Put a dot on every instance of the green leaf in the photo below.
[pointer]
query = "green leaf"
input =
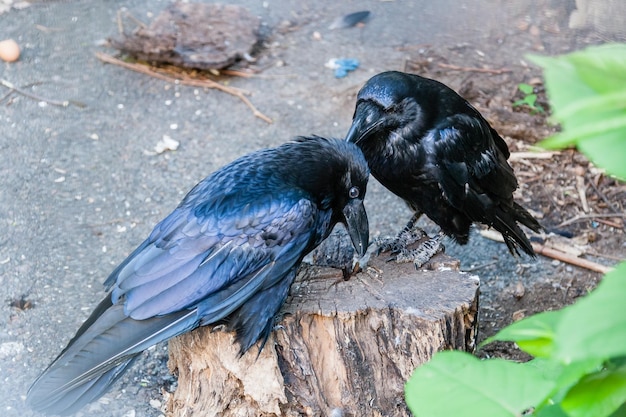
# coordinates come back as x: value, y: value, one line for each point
x: 563, y: 86
x: 587, y: 91
x: 597, y: 395
x: 534, y: 334
x: 553, y: 410
x: 608, y: 150
x: 564, y: 376
x: 620, y: 412
x: 595, y: 327
x: 458, y: 384
x: 591, y: 132
x: 601, y: 67
x: 525, y: 88
x: 612, y: 102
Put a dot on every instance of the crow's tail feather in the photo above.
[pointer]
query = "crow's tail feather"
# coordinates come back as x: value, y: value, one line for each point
x: 514, y: 237
x: 103, y: 348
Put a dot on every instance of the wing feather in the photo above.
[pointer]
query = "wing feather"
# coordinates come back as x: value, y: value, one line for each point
x: 180, y: 265
x: 471, y: 166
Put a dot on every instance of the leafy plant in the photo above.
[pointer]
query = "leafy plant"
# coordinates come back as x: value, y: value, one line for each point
x: 579, y: 365
x: 587, y: 92
x: 529, y: 99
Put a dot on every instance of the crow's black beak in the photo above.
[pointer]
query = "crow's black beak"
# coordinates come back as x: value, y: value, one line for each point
x: 357, y: 225
x: 368, y: 117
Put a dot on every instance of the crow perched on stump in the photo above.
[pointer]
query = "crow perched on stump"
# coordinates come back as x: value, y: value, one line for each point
x: 429, y: 146
x: 227, y: 254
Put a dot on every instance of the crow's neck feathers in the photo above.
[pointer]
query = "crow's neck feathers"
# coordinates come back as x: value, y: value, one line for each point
x: 303, y: 168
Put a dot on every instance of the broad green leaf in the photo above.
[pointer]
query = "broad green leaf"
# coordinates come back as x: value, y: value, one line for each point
x: 611, y: 102
x: 595, y: 327
x: 563, y: 85
x: 564, y: 376
x: 620, y: 412
x: 601, y: 67
x: 534, y: 334
x: 552, y: 410
x: 458, y: 384
x: 587, y: 91
x: 608, y: 150
x: 525, y: 88
x: 597, y: 395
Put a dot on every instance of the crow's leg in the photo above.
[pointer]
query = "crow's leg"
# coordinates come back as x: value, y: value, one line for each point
x: 407, y: 236
x: 423, y: 253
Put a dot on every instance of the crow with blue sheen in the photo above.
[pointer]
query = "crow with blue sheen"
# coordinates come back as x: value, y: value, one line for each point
x: 227, y: 254
x: 432, y: 148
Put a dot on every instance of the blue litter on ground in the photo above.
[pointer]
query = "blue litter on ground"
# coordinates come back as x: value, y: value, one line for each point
x: 343, y: 65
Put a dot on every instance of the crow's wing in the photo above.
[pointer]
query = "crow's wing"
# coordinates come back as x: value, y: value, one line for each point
x: 197, y: 266
x: 224, y: 254
x: 469, y: 165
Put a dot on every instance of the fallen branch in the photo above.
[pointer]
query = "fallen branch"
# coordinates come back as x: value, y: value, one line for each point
x: 474, y: 69
x: 185, y: 80
x: 581, y: 217
x: 562, y: 256
x: 517, y: 156
x: 582, y: 192
x: 610, y: 223
x: 602, y: 196
x: 552, y: 253
x: 25, y: 93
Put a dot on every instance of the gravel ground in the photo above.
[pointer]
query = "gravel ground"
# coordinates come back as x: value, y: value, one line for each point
x: 81, y: 185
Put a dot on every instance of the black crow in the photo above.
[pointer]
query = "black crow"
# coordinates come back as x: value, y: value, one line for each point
x: 227, y: 254
x: 429, y: 146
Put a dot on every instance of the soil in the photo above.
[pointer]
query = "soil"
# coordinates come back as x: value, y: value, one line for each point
x: 84, y: 185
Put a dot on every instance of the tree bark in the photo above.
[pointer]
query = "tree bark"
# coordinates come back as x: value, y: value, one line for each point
x: 342, y: 348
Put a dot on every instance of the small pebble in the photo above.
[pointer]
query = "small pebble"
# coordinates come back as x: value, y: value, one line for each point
x: 519, y: 290
x: 9, y: 50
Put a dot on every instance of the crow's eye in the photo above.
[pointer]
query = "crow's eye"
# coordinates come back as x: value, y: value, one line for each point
x: 354, y: 192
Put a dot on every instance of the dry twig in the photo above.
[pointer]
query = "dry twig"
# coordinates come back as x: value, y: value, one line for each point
x: 185, y: 80
x: 602, y: 196
x: 582, y: 193
x: 567, y: 258
x: 474, y: 69
x: 552, y: 253
x: 518, y: 156
x: 582, y: 217
x: 34, y: 96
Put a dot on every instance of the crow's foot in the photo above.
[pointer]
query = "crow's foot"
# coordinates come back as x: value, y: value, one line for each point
x: 422, y: 254
x: 407, y: 236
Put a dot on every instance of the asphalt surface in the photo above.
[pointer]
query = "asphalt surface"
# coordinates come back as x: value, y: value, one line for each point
x: 81, y: 185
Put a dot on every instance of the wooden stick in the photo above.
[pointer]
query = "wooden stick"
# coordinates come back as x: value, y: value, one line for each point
x: 590, y: 216
x: 205, y: 83
x: 573, y: 260
x: 474, y: 69
x: 552, y: 253
x: 64, y: 103
x: 602, y: 196
x: 582, y: 192
x: 610, y: 223
x: 516, y: 156
x: 600, y: 255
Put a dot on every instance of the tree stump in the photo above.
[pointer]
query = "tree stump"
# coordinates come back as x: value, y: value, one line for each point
x: 342, y: 348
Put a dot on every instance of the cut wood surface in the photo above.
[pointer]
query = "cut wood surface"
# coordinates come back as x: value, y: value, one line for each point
x: 342, y: 348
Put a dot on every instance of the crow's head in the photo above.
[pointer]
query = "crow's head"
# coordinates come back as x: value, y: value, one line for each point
x: 334, y: 173
x: 386, y: 104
